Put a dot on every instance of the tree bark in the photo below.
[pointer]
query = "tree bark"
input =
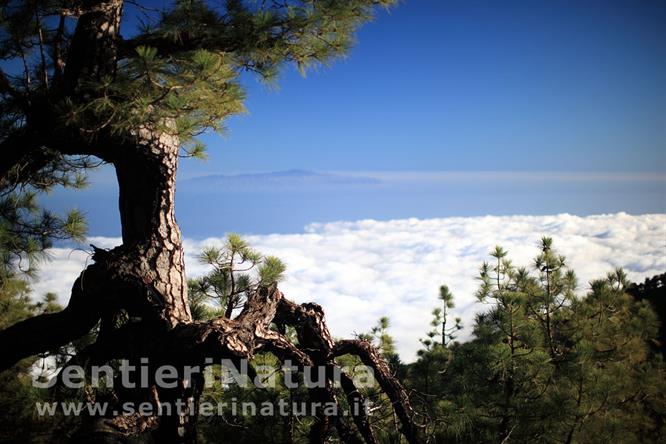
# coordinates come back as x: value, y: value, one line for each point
x: 146, y: 175
x: 93, y: 50
x: 145, y: 276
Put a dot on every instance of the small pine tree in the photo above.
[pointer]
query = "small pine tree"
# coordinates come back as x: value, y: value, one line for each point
x: 237, y: 271
x: 440, y: 315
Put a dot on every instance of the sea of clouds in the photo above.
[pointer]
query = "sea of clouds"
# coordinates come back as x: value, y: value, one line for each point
x: 360, y: 271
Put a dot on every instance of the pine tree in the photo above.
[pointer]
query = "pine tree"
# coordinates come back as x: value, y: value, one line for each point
x: 231, y: 283
x: 616, y: 384
x: 547, y: 365
x: 75, y: 92
x: 440, y: 315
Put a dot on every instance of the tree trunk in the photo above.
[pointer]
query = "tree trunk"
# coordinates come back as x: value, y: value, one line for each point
x: 153, y: 255
x: 147, y: 273
x: 145, y: 278
x: 147, y: 184
x: 93, y: 49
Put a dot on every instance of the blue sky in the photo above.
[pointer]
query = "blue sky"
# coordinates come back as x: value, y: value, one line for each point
x: 570, y: 87
x: 443, y: 109
x: 470, y: 85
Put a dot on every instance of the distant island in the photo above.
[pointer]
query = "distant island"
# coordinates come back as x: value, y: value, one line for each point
x: 287, y: 178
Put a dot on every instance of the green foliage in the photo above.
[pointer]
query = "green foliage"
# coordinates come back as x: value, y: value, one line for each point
x: 382, y: 419
x: 18, y: 422
x: 653, y: 290
x: 177, y: 75
x: 237, y: 424
x: 380, y: 336
x: 26, y: 231
x: 271, y: 270
x: 237, y: 271
x: 439, y: 319
x: 15, y: 303
x: 182, y: 95
x: 265, y: 35
x: 446, y: 296
x: 182, y: 78
x: 546, y: 365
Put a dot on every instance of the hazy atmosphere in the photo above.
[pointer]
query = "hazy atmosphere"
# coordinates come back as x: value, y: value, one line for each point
x: 465, y: 197
x: 360, y: 271
x: 442, y: 109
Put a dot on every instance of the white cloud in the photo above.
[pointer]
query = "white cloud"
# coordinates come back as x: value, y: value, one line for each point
x: 359, y: 271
